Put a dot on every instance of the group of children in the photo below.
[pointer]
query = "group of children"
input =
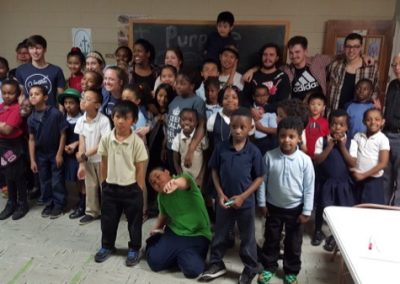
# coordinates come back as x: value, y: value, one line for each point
x: 106, y: 133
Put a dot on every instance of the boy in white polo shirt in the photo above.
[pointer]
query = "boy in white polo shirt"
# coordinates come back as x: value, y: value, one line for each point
x: 91, y: 127
x: 123, y: 170
x: 371, y: 153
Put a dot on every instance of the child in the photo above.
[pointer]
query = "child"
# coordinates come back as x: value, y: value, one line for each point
x: 70, y: 100
x: 136, y: 94
x: 210, y: 68
x: 333, y: 176
x: 189, y: 123
x: 218, y: 123
x: 4, y: 68
x: 13, y: 152
x: 229, y: 58
x: 168, y: 75
x: 185, y: 99
x: 371, y: 151
x: 75, y: 63
x: 22, y: 56
x: 91, y: 127
x: 90, y: 80
x: 123, y: 56
x: 317, y: 125
x: 290, y: 193
x: 123, y: 163
x: 294, y: 107
x: 237, y: 172
x: 173, y: 56
x: 47, y: 128
x: 266, y: 126
x: 185, y: 224
x: 211, y: 87
x: 39, y: 71
x: 363, y: 101
x: 217, y: 40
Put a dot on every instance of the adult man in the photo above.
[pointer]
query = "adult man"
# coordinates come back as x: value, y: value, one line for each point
x: 306, y: 74
x: 344, y: 73
x: 270, y: 76
x: 40, y: 72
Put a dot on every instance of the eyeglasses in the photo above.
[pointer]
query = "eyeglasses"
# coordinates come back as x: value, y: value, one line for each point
x: 352, y: 46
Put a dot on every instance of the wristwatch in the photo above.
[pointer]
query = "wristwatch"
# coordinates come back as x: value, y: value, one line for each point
x: 84, y: 157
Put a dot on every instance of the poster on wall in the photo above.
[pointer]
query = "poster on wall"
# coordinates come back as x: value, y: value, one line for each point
x: 82, y: 38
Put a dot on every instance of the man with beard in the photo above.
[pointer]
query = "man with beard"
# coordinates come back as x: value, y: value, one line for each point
x: 270, y: 76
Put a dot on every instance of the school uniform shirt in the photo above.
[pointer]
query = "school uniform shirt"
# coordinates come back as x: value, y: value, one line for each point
x: 356, y: 111
x: 237, y: 169
x: 268, y: 119
x: 366, y: 150
x: 93, y: 131
x: 227, y: 119
x: 181, y: 145
x: 211, y: 109
x: 51, y: 77
x: 46, y: 126
x: 289, y: 180
x: 122, y: 157
x: 12, y: 117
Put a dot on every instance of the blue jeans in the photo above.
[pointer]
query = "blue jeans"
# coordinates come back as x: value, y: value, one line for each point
x: 52, y: 183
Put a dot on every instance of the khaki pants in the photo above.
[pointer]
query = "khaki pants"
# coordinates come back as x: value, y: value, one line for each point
x: 93, y: 188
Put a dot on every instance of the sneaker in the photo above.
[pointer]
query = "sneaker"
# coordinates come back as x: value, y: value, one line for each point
x: 20, y: 212
x: 103, y: 254
x: 318, y: 237
x: 87, y: 219
x: 47, y: 211
x: 265, y: 277
x: 214, y: 271
x: 77, y: 213
x: 330, y: 244
x: 246, y: 278
x: 290, y: 279
x: 133, y: 258
x: 56, y: 212
x: 7, y: 211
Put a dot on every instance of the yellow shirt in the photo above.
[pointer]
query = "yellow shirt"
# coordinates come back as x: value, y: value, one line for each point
x: 121, y: 157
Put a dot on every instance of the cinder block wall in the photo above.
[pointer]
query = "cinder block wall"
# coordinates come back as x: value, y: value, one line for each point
x: 54, y: 19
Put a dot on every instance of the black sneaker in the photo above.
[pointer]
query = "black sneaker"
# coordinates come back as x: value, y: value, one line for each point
x: 330, y: 244
x: 7, y: 211
x: 77, y: 213
x: 20, y: 212
x: 212, y: 272
x: 246, y: 278
x: 56, y: 212
x: 317, y: 238
x: 47, y: 211
x: 103, y: 254
x: 87, y: 219
x: 132, y: 258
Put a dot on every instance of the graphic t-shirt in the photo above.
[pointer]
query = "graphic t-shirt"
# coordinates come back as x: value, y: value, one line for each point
x: 51, y: 77
x: 303, y: 83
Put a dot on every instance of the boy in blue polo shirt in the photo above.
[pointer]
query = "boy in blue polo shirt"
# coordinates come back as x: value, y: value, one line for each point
x: 289, y: 198
x: 237, y: 172
x: 47, y: 127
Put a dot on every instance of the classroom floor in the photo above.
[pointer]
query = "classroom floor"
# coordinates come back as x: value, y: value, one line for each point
x: 41, y: 250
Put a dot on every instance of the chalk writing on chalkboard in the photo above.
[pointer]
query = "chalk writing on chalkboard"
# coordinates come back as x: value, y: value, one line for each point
x: 191, y: 36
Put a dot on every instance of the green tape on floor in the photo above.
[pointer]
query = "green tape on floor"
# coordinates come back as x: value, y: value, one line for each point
x: 78, y: 275
x: 21, y: 271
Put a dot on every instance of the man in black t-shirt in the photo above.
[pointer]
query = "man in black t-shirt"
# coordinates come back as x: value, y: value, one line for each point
x: 270, y: 76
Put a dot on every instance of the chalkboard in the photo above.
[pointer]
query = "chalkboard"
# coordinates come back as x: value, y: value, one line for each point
x: 191, y: 36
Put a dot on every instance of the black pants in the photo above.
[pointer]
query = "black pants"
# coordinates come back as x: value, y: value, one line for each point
x: 276, y: 220
x: 16, y: 183
x: 115, y: 200
x: 225, y: 220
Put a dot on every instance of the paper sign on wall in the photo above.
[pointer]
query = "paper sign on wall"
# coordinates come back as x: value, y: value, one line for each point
x: 82, y: 38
